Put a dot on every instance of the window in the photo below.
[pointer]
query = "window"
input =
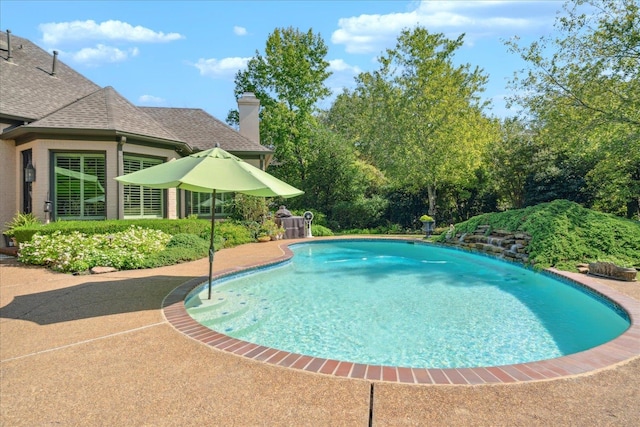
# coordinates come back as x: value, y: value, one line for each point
x: 142, y: 202
x: 200, y: 203
x: 79, y: 186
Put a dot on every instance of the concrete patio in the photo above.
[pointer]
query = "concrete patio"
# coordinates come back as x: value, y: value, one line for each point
x: 96, y: 350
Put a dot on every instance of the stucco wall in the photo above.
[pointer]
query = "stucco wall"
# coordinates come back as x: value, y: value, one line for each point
x: 11, y: 185
x: 9, y: 168
x: 42, y: 151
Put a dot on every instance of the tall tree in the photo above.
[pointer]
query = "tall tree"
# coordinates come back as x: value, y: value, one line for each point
x: 511, y: 161
x: 585, y: 96
x: 419, y: 116
x: 289, y: 79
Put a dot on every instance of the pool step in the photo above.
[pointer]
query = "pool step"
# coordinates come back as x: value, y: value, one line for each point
x: 228, y: 312
x: 220, y: 317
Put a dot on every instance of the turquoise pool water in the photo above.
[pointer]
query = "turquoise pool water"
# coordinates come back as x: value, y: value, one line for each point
x: 410, y: 305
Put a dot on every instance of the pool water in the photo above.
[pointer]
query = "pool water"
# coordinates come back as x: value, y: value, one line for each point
x: 409, y: 305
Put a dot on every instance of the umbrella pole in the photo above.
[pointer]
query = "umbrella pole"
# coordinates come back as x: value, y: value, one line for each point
x: 213, y: 227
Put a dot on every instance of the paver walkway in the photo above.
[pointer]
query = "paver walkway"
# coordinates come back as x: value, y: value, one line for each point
x: 96, y: 351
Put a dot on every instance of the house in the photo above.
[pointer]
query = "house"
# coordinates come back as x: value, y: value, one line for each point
x: 63, y: 139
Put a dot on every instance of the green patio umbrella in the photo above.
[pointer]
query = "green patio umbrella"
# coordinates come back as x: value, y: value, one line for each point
x: 213, y: 170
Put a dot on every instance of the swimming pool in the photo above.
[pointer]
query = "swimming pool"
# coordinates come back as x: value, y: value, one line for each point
x: 399, y: 299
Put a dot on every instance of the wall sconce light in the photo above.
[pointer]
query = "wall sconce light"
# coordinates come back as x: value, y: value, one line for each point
x: 29, y: 173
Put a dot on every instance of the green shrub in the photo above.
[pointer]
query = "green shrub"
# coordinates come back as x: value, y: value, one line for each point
x: 20, y: 222
x: 175, y: 255
x: 169, y: 226
x: 360, y: 212
x: 184, y: 240
x: 233, y: 234
x: 76, y: 252
x: 320, y: 231
x: 564, y: 234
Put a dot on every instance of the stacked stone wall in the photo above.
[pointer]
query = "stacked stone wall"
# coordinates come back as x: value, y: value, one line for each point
x: 509, y: 245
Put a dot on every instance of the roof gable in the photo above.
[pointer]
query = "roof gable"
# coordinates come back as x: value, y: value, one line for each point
x: 105, y: 109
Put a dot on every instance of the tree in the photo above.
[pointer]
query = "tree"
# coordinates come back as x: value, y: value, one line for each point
x: 510, y: 160
x: 289, y: 80
x: 419, y: 117
x: 585, y: 96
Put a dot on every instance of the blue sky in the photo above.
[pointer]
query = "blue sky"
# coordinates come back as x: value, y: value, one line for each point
x: 186, y: 53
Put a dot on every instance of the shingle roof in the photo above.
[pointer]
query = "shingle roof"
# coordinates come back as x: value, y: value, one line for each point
x: 202, y: 130
x: 69, y: 101
x: 105, y: 109
x: 27, y: 88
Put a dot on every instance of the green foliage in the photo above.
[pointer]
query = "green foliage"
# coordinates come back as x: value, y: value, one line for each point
x: 426, y: 218
x: 320, y: 231
x: 334, y: 172
x: 319, y: 218
x: 582, y: 90
x: 381, y: 229
x: 21, y: 221
x: 419, y: 117
x: 189, y: 241
x: 270, y: 228
x: 359, y: 212
x: 199, y: 227
x: 76, y: 252
x: 510, y: 159
x: 249, y: 208
x: 288, y: 79
x: 565, y: 234
x: 232, y: 233
x: 181, y: 248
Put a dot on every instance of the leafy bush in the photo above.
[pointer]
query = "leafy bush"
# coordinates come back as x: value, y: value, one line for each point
x: 248, y: 208
x: 270, y: 228
x: 184, y: 240
x: 76, y: 252
x: 232, y: 233
x: 181, y: 248
x: 565, y: 234
x: 169, y: 226
x: 359, y: 213
x: 320, y: 231
x: 21, y: 221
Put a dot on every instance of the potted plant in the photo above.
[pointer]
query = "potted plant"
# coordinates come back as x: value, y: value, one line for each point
x: 19, y: 220
x: 269, y: 230
x: 427, y: 224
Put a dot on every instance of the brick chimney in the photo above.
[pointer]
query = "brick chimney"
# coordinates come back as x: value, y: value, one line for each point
x: 248, y: 109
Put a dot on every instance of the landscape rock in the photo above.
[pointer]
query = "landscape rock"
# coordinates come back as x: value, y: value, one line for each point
x: 102, y: 270
x: 612, y: 271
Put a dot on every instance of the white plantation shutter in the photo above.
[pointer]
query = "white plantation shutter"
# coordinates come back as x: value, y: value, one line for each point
x: 79, y: 186
x: 141, y: 202
x: 200, y: 203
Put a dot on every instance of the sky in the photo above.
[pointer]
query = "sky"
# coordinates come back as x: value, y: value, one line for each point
x: 167, y: 53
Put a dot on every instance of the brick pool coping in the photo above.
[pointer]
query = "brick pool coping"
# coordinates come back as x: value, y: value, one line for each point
x: 621, y: 349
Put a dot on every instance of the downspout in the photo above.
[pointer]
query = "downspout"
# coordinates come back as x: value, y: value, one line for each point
x: 120, y: 171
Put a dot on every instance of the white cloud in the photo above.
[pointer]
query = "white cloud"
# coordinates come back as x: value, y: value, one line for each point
x: 338, y: 65
x: 150, y: 100
x: 239, y: 31
x: 54, y: 33
x: 220, y: 68
x: 93, y: 56
x: 372, y: 33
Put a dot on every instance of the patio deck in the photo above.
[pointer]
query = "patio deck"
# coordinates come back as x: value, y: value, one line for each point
x: 97, y: 350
